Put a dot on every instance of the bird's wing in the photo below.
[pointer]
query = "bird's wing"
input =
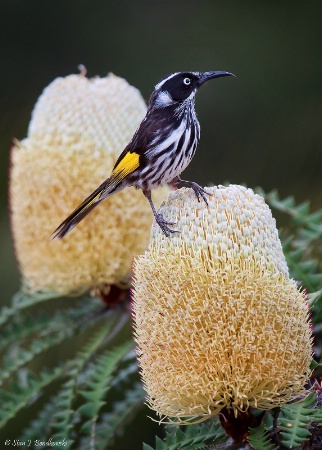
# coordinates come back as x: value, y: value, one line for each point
x: 142, y: 142
x: 127, y: 163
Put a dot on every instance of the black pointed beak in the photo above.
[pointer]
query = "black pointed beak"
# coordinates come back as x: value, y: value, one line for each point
x: 205, y: 76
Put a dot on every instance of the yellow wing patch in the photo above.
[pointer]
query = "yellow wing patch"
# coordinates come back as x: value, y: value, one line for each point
x: 127, y: 165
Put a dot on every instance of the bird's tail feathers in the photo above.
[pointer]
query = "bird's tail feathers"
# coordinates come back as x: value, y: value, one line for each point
x: 107, y: 188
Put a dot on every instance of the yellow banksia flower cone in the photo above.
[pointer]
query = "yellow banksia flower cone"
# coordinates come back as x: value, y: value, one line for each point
x: 78, y: 129
x: 218, y: 322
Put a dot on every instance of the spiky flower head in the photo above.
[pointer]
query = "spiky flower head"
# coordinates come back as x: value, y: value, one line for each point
x: 79, y: 127
x: 218, y: 321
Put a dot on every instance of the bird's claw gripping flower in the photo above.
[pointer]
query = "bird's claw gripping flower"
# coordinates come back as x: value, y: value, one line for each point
x: 160, y: 149
x: 218, y: 322
x: 79, y: 127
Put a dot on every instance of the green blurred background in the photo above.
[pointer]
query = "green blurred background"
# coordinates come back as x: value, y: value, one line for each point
x: 262, y: 128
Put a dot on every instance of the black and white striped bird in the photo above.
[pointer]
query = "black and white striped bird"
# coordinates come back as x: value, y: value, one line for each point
x: 161, y: 148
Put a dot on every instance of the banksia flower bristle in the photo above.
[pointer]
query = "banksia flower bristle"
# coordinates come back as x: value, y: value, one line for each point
x: 78, y: 129
x: 218, y: 322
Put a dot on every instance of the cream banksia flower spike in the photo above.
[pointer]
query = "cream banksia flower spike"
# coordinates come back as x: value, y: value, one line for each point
x: 78, y: 129
x: 218, y: 322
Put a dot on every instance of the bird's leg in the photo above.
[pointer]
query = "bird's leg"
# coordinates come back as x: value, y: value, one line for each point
x: 159, y: 218
x: 198, y: 190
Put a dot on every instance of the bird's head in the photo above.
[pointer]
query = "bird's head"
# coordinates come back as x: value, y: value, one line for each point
x: 181, y: 86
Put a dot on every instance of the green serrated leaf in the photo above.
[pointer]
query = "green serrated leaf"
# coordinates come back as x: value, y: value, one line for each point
x: 88, y: 427
x: 64, y: 411
x: 315, y: 365
x: 96, y: 383
x: 39, y: 426
x: 295, y: 256
x: 308, y: 265
x: 160, y: 445
x: 259, y: 438
x: 22, y: 396
x: 91, y: 395
x: 22, y: 300
x: 191, y: 437
x: 303, y: 208
x: 315, y: 297
x: 89, y: 409
x: 25, y: 356
x: 315, y: 279
x: 110, y: 424
x: 295, y: 419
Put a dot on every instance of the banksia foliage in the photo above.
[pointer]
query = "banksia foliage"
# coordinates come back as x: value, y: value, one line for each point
x: 218, y: 321
x: 79, y: 127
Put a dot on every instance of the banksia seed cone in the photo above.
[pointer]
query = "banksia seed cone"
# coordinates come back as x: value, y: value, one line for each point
x: 78, y: 128
x: 218, y: 321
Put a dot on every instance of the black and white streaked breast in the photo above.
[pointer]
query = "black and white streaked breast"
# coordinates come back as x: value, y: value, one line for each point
x: 172, y: 147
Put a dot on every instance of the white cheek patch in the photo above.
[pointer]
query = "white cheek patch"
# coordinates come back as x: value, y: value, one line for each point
x: 164, y: 99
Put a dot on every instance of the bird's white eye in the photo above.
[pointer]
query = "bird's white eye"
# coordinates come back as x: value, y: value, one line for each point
x: 187, y: 81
